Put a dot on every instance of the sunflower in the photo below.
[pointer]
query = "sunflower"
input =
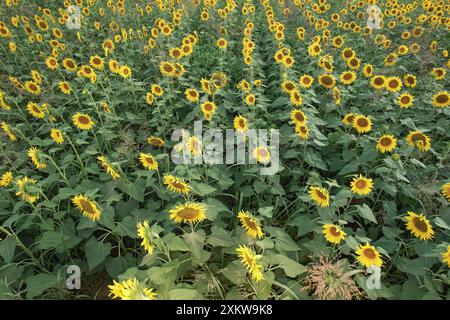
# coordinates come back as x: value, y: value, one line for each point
x: 288, y: 61
x: 306, y: 81
x: 51, y: 63
x: 320, y: 196
x: 327, y: 81
x: 97, y: 62
x: 446, y: 256
x: 361, y: 185
x: 302, y: 131
x: 348, y: 118
x: 114, y: 66
x: 208, y: 107
x: 393, y: 84
x: 419, y: 140
x: 176, y: 53
x: 288, y: 86
x: 25, y: 184
x: 108, y: 167
x: 295, y: 98
x: 64, y: 87
x: 82, y: 121
x: 32, y: 87
x: 6, y: 179
x: 35, y: 156
x: 250, y: 260
x: 298, y: 117
x: 35, y: 110
x: 368, y: 70
x: 386, y: 143
x: 147, y: 236
x: 148, y: 161
x: 188, y: 212
x: 155, y: 141
x: 191, y: 94
x: 5, y: 127
x: 261, y: 154
x: 87, y: 207
x: 240, y: 123
x: 149, y: 98
x: 176, y: 184
x: 348, y: 53
x: 251, y: 225
x: 378, y: 82
x: 438, y: 73
x: 131, y: 289
x: 167, y: 69
x: 354, y: 63
x: 405, y: 100
x: 446, y: 191
x: 333, y: 233
x: 347, y: 77
x: 314, y: 50
x: 125, y: 72
x: 419, y: 226
x: 157, y: 90
x: 222, y: 43
x: 368, y: 256
x: 410, y: 80
x: 57, y: 135
x: 441, y: 99
x: 250, y: 99
x: 362, y: 124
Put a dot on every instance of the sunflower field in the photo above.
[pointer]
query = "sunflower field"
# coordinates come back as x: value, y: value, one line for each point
x: 93, y: 206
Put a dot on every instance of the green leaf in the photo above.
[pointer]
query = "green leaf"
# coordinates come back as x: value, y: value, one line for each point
x: 195, y: 241
x: 136, y: 190
x: 38, y: 283
x: 202, y: 188
x: 291, y: 267
x: 7, y: 248
x: 96, y: 252
x: 185, y: 294
x: 266, y: 211
x: 366, y: 213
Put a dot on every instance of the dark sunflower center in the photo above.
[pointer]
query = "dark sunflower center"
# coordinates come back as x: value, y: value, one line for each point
x: 405, y: 99
x: 321, y: 195
x: 188, y: 213
x: 335, y: 232
x: 442, y: 98
x: 249, y: 222
x: 386, y: 142
x: 327, y: 80
x: 299, y: 116
x: 369, y: 253
x: 87, y: 206
x: 420, y: 224
x: 362, y: 122
x: 361, y: 184
x: 83, y: 119
x: 347, y: 76
x: 418, y: 137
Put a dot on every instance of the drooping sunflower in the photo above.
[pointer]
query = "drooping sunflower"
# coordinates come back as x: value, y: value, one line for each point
x: 306, y: 81
x: 240, y: 124
x: 347, y: 77
x: 35, y: 156
x: 147, y: 236
x: 361, y: 185
x: 302, y: 131
x: 333, y: 233
x: 296, y: 98
x: 6, y: 179
x: 368, y: 256
x: 188, y: 212
x: 106, y: 165
x: 87, y: 207
x: 419, y: 140
x: 362, y: 124
x: 320, y: 196
x: 393, y: 84
x: 251, y: 262
x: 441, y: 99
x: 131, y: 289
x: 386, y: 143
x: 446, y: 191
x: 298, y: 117
x: 251, y: 225
x: 405, y: 100
x: 114, y: 66
x: 446, y: 256
x: 24, y: 184
x: 261, y: 154
x: 148, y: 161
x: 176, y: 184
x: 191, y: 94
x: 327, y: 81
x: 35, y: 110
x: 7, y: 130
x: 348, y: 118
x: 82, y: 121
x: 419, y: 226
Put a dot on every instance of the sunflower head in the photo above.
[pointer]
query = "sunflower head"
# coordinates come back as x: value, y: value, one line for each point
x: 333, y: 233
x: 320, y: 196
x: 361, y: 185
x: 251, y: 225
x: 419, y: 226
x: 188, y: 212
x: 368, y: 256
